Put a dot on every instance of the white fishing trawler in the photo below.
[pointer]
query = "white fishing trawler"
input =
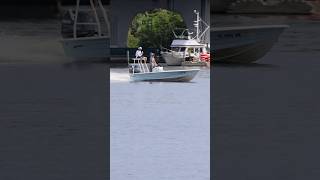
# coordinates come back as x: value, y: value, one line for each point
x: 86, y: 32
x: 187, y: 49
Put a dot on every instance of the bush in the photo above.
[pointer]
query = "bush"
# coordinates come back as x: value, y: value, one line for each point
x: 153, y: 29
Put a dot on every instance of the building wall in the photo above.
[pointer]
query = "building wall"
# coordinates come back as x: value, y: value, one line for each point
x: 123, y: 11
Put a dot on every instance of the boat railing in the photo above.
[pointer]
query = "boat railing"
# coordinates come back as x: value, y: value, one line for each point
x: 182, y: 33
x: 99, y: 14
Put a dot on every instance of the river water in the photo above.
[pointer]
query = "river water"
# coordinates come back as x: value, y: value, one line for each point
x: 266, y: 115
x: 159, y: 130
x: 56, y: 112
x: 53, y: 113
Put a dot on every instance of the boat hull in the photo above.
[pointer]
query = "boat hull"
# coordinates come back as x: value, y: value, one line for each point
x: 196, y: 63
x: 166, y: 76
x: 87, y: 47
x: 245, y: 53
x: 171, y: 59
x: 243, y: 44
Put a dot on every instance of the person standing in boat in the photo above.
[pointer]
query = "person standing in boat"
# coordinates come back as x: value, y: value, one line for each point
x: 139, y: 54
x: 153, y: 61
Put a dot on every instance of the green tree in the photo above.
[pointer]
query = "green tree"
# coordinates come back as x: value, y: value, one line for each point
x: 132, y: 40
x: 153, y: 29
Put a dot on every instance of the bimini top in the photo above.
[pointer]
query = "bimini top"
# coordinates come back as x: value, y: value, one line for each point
x: 186, y: 43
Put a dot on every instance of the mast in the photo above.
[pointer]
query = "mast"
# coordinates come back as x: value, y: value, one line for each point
x: 196, y: 25
x: 200, y: 33
x: 99, y: 15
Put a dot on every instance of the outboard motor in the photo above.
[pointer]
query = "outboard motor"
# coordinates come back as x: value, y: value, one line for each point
x: 134, y: 68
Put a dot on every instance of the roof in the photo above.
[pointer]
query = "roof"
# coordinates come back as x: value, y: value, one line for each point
x: 185, y: 43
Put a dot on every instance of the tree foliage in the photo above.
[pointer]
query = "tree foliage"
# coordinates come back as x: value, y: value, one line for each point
x: 153, y: 29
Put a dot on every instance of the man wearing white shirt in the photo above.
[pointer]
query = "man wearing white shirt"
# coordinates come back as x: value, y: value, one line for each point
x: 139, y: 52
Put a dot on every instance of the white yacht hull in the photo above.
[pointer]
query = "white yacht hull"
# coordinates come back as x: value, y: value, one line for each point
x: 166, y: 76
x: 87, y: 47
x: 243, y: 44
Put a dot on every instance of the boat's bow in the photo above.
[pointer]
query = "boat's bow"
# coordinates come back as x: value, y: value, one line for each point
x: 244, y: 44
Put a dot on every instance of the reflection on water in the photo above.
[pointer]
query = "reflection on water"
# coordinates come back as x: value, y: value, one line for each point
x: 159, y: 130
x: 266, y: 118
x: 52, y: 118
x: 31, y: 40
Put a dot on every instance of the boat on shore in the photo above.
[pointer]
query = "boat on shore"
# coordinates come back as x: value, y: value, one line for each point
x: 186, y: 49
x: 139, y: 70
x: 85, y: 32
x: 243, y: 44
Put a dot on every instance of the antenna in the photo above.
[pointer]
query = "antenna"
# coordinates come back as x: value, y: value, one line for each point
x: 196, y: 24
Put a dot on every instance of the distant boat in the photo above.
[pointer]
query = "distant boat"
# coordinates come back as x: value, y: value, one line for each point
x: 243, y: 44
x: 85, y: 32
x: 186, y: 49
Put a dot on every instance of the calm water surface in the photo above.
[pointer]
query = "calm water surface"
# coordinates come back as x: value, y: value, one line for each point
x: 53, y: 121
x: 159, y: 130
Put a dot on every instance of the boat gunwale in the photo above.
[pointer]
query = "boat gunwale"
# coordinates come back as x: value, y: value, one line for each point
x: 189, y: 46
x: 166, y: 71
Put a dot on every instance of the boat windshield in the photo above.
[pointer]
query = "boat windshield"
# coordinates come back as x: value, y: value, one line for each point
x: 175, y: 49
x: 178, y: 49
x: 190, y: 50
